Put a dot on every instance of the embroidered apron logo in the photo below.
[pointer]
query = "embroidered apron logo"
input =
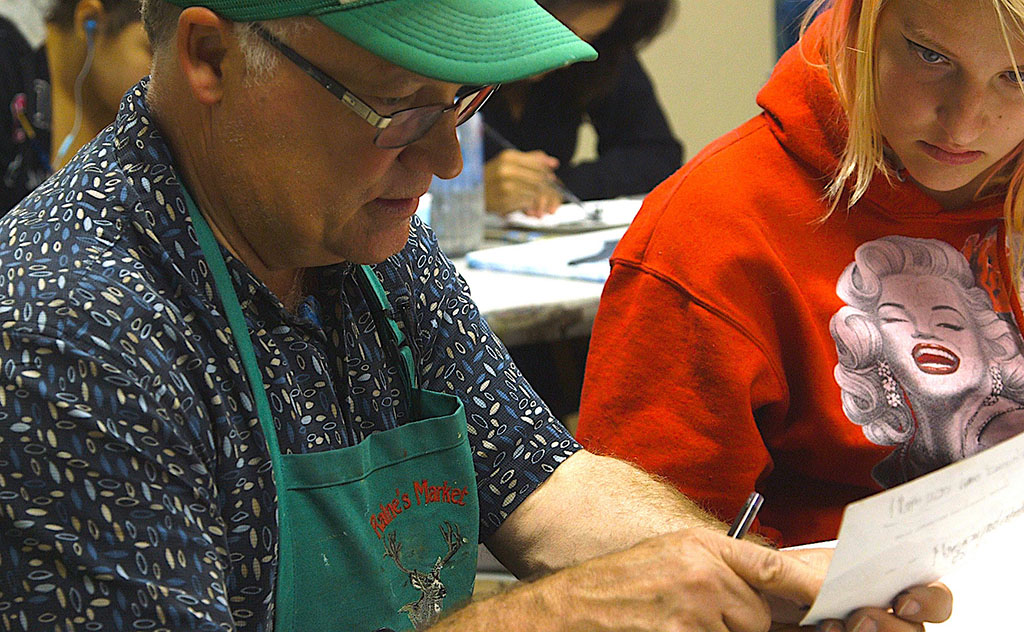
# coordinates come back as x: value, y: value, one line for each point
x: 425, y: 493
x: 425, y: 611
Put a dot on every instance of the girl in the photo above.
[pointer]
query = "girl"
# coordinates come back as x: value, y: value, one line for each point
x: 714, y: 358
x: 54, y: 98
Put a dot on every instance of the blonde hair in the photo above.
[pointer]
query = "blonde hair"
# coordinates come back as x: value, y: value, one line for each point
x: 848, y: 52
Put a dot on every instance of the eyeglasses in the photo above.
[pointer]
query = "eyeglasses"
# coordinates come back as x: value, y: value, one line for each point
x: 397, y: 129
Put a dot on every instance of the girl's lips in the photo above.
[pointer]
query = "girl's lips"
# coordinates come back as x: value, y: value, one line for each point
x: 948, y: 157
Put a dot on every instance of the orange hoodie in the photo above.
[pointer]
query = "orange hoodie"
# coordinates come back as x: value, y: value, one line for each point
x: 741, y: 345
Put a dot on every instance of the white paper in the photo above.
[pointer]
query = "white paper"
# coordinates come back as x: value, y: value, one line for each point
x: 924, y: 530
x: 986, y: 588
x: 583, y: 256
x: 586, y: 215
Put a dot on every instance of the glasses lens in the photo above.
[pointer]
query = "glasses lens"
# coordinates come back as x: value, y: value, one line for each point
x: 468, y: 104
x: 408, y: 126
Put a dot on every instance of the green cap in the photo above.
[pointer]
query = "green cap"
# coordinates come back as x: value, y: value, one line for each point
x: 461, y: 41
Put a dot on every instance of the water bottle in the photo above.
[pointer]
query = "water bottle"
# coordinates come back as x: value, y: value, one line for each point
x: 456, y: 207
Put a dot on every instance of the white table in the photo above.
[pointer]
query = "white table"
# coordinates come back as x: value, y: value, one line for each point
x: 525, y: 308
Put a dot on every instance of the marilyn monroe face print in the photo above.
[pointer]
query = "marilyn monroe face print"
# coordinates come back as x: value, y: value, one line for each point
x: 925, y: 363
x: 929, y: 338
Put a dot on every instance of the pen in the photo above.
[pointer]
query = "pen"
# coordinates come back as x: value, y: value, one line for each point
x: 746, y: 516
x: 520, y: 236
x: 505, y: 143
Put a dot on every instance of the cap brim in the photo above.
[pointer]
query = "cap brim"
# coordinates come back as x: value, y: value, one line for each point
x: 461, y: 41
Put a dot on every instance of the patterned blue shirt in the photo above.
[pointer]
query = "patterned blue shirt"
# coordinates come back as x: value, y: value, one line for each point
x: 136, y: 489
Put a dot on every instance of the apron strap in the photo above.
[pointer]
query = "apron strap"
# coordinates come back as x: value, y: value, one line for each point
x: 387, y: 325
x: 367, y: 279
x: 239, y: 330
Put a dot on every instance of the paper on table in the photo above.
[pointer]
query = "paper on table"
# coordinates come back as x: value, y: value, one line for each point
x: 922, y: 530
x: 584, y: 256
x: 590, y: 215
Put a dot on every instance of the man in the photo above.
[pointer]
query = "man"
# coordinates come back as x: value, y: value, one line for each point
x: 61, y: 85
x: 215, y: 241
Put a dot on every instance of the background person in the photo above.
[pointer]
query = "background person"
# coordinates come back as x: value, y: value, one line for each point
x: 245, y: 389
x: 788, y: 18
x: 97, y: 48
x: 712, y: 344
x: 541, y: 116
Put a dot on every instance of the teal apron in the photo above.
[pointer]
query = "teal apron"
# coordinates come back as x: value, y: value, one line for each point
x: 382, y: 534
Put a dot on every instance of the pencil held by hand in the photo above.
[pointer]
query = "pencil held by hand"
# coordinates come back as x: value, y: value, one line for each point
x: 517, y: 180
x: 522, y: 181
x: 745, y: 518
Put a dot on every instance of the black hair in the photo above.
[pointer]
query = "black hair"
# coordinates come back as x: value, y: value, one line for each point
x: 636, y: 25
x: 120, y: 14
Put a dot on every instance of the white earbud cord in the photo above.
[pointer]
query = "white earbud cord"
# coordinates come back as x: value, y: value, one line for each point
x: 77, y: 126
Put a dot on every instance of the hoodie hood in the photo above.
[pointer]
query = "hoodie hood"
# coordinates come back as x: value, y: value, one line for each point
x: 802, y: 106
x: 803, y: 112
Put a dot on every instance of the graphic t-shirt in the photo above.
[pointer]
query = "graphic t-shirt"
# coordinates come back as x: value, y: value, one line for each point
x: 927, y: 362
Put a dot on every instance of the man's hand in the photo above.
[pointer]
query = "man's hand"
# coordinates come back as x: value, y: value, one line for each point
x: 689, y: 580
x: 521, y: 181
x: 617, y: 550
x: 694, y: 580
x: 914, y: 606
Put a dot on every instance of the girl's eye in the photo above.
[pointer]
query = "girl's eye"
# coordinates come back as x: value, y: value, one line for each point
x: 1011, y: 76
x: 926, y: 54
x: 892, y: 319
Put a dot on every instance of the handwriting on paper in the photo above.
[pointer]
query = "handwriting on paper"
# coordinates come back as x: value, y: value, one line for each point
x: 922, y: 530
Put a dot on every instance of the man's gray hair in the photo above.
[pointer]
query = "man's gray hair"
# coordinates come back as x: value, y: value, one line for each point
x: 160, y: 19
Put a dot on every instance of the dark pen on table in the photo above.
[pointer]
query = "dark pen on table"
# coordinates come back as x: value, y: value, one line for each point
x: 505, y: 143
x: 746, y: 516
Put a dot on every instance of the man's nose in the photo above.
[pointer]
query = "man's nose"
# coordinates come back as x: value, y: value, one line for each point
x: 438, y: 151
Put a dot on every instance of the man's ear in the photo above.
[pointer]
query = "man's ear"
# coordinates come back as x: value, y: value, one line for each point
x: 202, y: 41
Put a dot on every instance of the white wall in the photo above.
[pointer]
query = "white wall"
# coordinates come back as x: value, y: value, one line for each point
x: 708, y: 65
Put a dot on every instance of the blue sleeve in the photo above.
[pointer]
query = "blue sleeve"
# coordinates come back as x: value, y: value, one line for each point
x: 516, y: 441
x: 110, y: 516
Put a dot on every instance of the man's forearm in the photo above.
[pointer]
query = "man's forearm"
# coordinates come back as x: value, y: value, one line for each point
x: 590, y: 506
x: 683, y: 581
x: 639, y: 556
